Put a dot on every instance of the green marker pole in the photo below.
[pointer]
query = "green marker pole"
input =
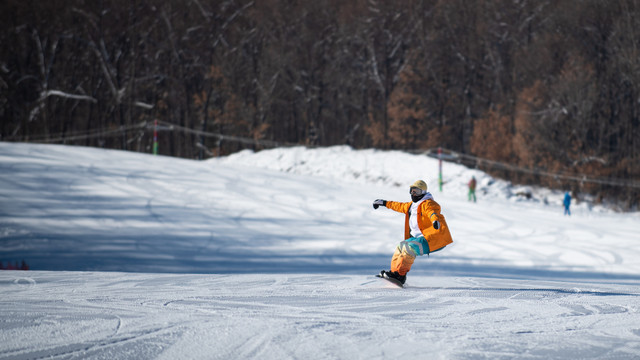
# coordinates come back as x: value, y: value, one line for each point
x: 440, y: 168
x: 155, y: 137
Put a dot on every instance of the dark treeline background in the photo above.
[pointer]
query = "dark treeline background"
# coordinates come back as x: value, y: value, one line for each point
x: 541, y: 85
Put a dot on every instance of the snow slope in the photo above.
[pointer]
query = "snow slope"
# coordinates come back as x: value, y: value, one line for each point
x: 270, y: 255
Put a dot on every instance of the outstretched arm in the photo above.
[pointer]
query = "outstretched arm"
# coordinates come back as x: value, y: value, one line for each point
x: 401, y: 207
x: 393, y: 205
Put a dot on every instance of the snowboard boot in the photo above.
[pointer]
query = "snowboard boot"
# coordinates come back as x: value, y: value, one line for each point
x: 395, y: 275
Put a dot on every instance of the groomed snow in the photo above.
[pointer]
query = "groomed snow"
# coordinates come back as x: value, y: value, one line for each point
x: 271, y: 255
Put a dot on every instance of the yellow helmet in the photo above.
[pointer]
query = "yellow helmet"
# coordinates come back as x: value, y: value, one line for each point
x: 420, y: 184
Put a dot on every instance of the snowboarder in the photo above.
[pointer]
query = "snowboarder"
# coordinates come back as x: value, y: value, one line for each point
x: 472, y: 188
x: 425, y: 229
x: 567, y: 203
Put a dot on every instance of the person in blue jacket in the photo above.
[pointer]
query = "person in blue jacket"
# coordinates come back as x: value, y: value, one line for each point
x: 567, y: 203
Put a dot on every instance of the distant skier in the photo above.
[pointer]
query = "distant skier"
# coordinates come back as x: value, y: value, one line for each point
x: 472, y: 188
x: 567, y: 203
x: 425, y: 229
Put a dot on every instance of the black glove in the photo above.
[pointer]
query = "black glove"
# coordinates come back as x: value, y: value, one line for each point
x: 379, y: 202
x: 436, y: 224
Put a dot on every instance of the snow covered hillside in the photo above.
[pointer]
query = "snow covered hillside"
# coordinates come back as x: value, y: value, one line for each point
x: 270, y: 255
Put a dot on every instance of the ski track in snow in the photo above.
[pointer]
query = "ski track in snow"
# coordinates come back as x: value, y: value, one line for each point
x: 146, y: 257
x: 94, y: 315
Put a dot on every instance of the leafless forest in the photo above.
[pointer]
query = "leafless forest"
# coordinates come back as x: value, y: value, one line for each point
x: 541, y: 92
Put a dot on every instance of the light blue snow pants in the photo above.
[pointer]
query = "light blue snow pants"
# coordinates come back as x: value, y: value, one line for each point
x: 416, y: 246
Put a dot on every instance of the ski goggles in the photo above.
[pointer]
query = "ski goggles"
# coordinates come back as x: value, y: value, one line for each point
x: 416, y: 191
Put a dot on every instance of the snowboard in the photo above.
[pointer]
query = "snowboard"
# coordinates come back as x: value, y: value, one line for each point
x: 391, y: 280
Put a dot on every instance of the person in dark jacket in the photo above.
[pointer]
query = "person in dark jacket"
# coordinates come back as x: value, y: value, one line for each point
x: 472, y: 188
x: 567, y: 203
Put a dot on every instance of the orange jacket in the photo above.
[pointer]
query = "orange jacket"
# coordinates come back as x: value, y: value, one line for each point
x: 428, y: 212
